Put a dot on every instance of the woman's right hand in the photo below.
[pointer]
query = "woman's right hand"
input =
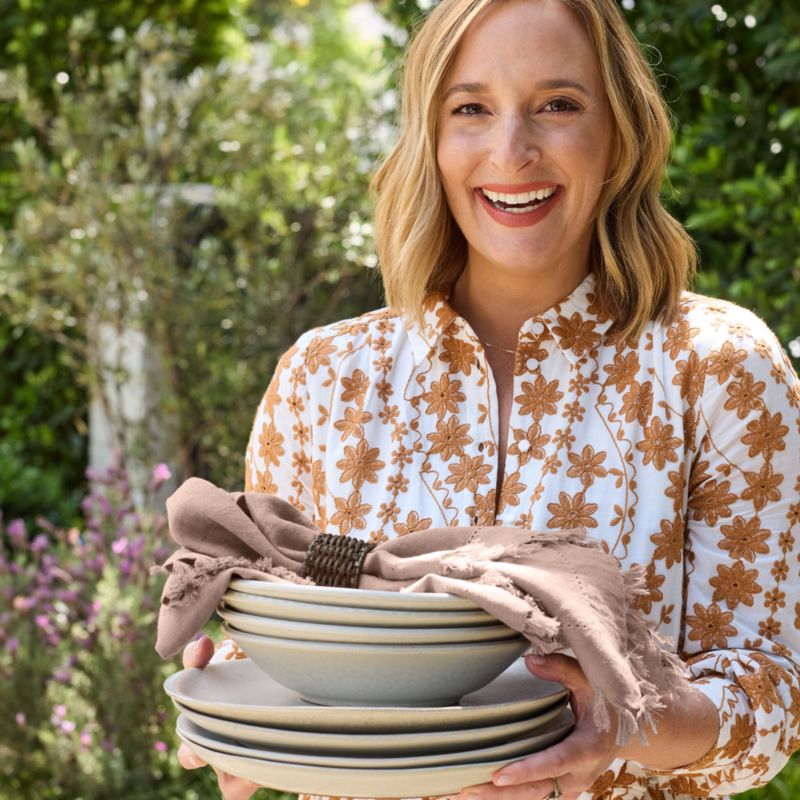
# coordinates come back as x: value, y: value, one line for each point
x: 198, y: 654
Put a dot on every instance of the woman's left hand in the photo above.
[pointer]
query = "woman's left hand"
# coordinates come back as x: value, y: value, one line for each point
x: 576, y: 762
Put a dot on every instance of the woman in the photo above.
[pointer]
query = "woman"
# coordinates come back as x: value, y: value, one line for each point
x: 540, y: 365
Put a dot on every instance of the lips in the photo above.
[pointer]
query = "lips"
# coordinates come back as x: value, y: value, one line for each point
x: 518, y: 205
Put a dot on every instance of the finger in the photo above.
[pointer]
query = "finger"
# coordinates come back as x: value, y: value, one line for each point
x: 573, y: 754
x: 188, y: 759
x: 558, y: 667
x: 198, y: 654
x: 233, y: 788
x: 529, y: 791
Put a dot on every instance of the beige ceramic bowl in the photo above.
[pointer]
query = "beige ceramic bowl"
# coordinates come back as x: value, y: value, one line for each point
x: 331, y: 673
x: 307, y: 610
x: 362, y: 634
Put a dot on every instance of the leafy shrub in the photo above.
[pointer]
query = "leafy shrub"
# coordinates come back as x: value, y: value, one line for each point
x: 42, y: 427
x: 220, y: 213
x: 84, y: 712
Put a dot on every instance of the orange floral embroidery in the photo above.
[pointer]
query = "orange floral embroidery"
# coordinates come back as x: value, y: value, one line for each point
x: 710, y: 626
x: 659, y: 444
x: 571, y: 512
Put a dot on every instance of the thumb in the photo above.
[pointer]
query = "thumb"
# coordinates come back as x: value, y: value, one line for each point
x: 557, y: 667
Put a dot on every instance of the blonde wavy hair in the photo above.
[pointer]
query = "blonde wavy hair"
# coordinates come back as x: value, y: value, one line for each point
x: 641, y: 256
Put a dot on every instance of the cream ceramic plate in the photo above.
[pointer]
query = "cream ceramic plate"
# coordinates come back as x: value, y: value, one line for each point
x: 552, y: 732
x: 361, y: 634
x: 303, y: 778
x: 278, y: 608
x: 372, y: 744
x: 238, y: 690
x: 355, y: 598
x: 336, y: 674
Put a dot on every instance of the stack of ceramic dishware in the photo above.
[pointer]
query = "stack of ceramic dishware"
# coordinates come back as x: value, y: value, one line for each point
x: 365, y: 694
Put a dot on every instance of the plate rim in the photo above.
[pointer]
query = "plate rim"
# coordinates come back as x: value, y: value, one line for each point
x: 518, y: 747
x: 426, y: 781
x: 360, y: 634
x: 388, y: 739
x: 302, y: 715
x: 359, y: 598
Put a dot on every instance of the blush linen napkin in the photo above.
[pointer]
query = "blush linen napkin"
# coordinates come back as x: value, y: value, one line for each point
x: 559, y: 589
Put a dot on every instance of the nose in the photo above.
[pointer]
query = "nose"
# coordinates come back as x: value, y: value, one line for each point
x: 514, y: 146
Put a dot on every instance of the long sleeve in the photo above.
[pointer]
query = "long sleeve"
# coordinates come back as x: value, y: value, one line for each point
x: 741, y: 623
x: 278, y: 458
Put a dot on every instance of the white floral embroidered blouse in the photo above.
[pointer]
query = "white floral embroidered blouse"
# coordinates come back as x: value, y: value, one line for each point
x: 680, y: 451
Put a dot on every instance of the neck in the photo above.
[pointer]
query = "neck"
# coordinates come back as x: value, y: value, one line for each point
x: 496, y: 307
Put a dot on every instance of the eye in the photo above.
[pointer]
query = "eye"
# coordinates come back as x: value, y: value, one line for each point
x: 468, y: 110
x: 561, y: 105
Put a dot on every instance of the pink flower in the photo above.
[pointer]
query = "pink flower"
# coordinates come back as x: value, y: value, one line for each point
x: 86, y: 739
x: 160, y: 747
x: 68, y: 726
x: 60, y: 710
x: 21, y: 603
x: 20, y: 719
x: 17, y: 534
x: 161, y: 473
x: 119, y: 545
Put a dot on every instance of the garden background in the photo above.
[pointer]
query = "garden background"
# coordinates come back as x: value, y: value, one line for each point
x: 187, y: 182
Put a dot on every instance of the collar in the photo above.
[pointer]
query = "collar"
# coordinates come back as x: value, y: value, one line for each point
x: 576, y: 324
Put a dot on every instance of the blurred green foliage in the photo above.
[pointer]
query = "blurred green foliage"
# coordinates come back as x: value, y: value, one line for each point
x: 221, y: 212
x: 42, y: 427
x: 43, y: 402
x: 731, y: 72
x: 35, y: 34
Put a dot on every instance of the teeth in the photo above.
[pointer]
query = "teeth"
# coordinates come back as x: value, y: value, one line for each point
x: 519, y: 199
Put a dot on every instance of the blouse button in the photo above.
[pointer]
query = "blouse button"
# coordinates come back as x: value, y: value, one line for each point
x: 523, y: 445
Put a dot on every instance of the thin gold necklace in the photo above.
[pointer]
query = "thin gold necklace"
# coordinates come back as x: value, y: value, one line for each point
x: 496, y: 347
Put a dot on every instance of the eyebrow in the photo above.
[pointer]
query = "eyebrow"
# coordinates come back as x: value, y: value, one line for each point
x: 482, y: 88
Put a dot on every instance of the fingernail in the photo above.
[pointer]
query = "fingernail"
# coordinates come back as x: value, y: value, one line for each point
x: 471, y: 796
x: 535, y: 659
x: 503, y: 780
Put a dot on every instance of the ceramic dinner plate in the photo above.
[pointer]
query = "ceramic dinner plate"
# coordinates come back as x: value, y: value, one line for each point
x: 361, y: 634
x: 371, y: 744
x: 356, y: 598
x: 303, y: 778
x: 550, y: 733
x: 238, y: 690
x: 278, y: 608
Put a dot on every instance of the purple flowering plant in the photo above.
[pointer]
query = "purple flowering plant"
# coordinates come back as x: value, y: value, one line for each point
x: 85, y: 714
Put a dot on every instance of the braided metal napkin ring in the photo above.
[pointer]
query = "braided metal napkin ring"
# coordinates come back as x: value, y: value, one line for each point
x: 333, y: 560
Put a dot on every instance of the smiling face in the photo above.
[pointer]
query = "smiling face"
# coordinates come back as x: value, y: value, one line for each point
x: 523, y: 143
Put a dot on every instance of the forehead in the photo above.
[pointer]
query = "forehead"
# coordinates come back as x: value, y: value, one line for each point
x: 525, y: 38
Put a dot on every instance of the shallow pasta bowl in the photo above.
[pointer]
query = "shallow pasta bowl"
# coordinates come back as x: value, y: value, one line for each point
x: 354, y: 598
x: 362, y: 634
x: 306, y: 610
x: 333, y: 673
